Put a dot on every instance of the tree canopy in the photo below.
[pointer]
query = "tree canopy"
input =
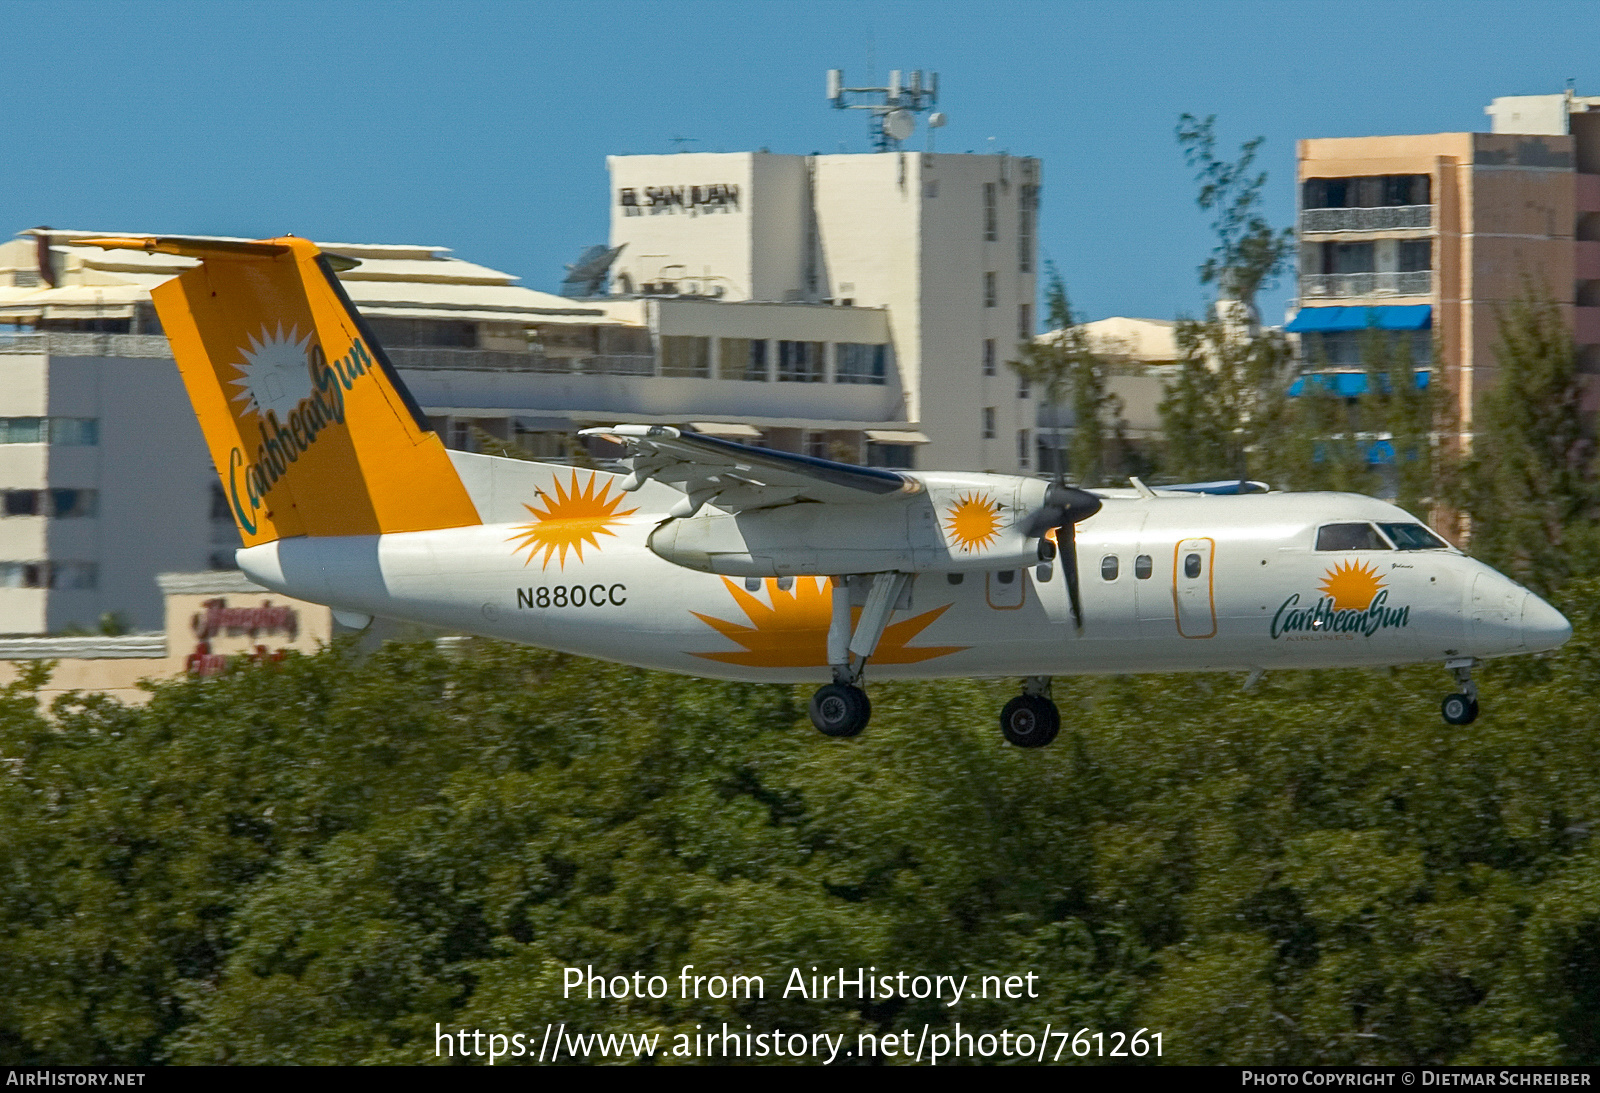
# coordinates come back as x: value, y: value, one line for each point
x: 319, y: 860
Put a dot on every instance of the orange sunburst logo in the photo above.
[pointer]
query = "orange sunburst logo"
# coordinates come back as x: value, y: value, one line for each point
x: 568, y: 521
x: 973, y: 522
x: 1351, y: 585
x: 790, y: 629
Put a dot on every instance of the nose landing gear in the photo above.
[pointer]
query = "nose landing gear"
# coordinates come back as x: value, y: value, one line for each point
x: 1461, y: 708
x: 1031, y: 720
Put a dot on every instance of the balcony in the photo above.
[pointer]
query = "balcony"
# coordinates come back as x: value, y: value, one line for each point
x: 493, y: 360
x: 1384, y: 218
x: 57, y: 344
x: 1342, y: 285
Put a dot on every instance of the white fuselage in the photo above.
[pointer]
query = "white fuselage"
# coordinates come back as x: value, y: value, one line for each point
x: 1198, y: 583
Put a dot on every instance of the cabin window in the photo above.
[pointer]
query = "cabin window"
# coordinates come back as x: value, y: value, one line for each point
x: 1142, y: 567
x: 1350, y: 537
x: 1108, y: 567
x: 1007, y: 576
x: 955, y: 578
x: 1191, y: 566
x: 1413, y: 537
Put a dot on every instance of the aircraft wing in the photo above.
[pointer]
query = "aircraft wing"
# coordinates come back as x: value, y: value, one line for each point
x: 737, y: 477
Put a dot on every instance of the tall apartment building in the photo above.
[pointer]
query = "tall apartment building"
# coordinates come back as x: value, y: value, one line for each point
x: 1431, y: 237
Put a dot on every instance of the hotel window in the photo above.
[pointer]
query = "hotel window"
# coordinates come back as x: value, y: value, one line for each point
x: 1416, y: 255
x: 899, y: 457
x: 83, y: 431
x: 1368, y: 192
x: 1022, y: 386
x: 991, y: 213
x: 858, y: 363
x: 988, y: 357
x: 1024, y: 447
x: 990, y: 292
x: 1027, y: 202
x: 683, y: 355
x: 65, y: 576
x: 1024, y: 322
x: 800, y: 362
x: 742, y: 359
x: 61, y: 504
x: 988, y: 423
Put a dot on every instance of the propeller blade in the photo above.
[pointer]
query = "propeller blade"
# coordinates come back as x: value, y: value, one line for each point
x: 1064, y: 506
x: 1069, y: 565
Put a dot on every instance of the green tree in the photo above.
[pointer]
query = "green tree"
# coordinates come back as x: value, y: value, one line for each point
x: 1249, y: 252
x: 1222, y: 414
x: 1066, y: 372
x: 1528, y: 483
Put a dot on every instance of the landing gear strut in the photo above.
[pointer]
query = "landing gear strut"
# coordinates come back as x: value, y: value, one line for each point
x: 841, y: 708
x: 1461, y: 708
x: 1031, y: 720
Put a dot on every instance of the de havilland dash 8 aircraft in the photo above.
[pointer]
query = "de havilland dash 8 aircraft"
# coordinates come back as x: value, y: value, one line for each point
x: 718, y: 559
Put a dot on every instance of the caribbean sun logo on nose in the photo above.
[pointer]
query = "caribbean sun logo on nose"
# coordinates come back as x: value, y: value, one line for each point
x: 1353, y: 601
x: 570, y: 519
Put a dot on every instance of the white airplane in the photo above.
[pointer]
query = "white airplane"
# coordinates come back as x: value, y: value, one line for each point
x: 716, y: 559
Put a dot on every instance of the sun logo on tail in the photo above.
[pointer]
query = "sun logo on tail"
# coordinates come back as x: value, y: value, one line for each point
x: 275, y: 374
x: 1351, y: 585
x: 570, y: 520
x: 973, y: 522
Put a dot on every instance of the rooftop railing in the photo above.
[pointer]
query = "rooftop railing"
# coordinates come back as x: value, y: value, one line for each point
x: 57, y: 344
x: 1384, y: 218
x: 1339, y: 285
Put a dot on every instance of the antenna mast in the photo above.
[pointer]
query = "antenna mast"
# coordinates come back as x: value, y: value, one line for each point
x: 894, y: 109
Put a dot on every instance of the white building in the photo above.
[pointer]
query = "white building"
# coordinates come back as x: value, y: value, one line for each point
x: 941, y: 249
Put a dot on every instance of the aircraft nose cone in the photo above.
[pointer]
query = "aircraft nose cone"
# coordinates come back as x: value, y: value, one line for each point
x: 1543, y: 627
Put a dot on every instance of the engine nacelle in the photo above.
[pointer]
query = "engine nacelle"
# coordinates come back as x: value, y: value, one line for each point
x: 959, y: 522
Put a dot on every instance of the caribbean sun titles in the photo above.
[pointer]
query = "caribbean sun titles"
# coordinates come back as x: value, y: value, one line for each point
x: 854, y: 984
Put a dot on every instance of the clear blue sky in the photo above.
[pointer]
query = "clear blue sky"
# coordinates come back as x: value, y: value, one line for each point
x: 484, y: 126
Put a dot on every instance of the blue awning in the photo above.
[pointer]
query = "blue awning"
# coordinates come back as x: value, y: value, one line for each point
x: 1346, y: 384
x: 1326, y: 320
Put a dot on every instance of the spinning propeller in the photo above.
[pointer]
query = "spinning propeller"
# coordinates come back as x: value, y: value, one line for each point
x: 1064, y: 507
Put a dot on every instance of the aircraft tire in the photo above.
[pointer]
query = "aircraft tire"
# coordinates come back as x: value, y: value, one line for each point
x: 839, y: 709
x: 1030, y: 721
x: 1459, y: 709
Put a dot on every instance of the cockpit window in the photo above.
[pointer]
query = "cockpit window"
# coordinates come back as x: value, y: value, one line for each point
x: 1413, y: 537
x: 1350, y: 537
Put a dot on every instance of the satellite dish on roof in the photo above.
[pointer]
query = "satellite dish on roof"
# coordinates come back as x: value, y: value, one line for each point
x: 587, y: 276
x: 899, y: 124
x: 937, y: 121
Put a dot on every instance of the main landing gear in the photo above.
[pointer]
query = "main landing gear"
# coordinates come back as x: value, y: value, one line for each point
x: 1031, y: 720
x: 1461, y: 708
x: 841, y: 708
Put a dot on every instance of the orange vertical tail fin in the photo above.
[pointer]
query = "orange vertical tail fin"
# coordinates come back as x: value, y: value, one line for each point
x: 309, y: 426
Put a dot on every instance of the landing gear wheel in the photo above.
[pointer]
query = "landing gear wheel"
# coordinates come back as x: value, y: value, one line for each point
x: 1030, y: 721
x: 840, y: 710
x: 1459, y: 709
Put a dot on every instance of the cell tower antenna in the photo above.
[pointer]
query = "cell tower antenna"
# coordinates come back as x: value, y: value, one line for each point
x: 893, y: 109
